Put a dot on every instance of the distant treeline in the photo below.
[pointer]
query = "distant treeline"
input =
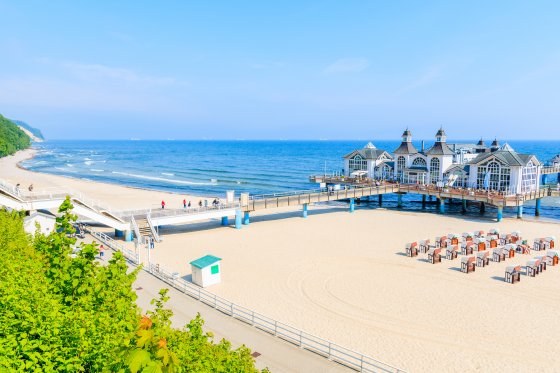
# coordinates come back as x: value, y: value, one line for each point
x: 34, y: 131
x: 12, y: 138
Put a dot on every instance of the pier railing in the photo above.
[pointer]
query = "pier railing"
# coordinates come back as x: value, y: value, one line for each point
x: 298, y: 337
x: 130, y: 255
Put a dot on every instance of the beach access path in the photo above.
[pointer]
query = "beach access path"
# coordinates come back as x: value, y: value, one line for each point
x: 275, y: 354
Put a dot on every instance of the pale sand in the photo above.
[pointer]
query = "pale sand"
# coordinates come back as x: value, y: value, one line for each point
x: 343, y: 277
x: 115, y: 196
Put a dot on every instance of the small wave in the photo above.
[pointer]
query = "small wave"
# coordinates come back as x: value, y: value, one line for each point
x: 214, y: 180
x: 88, y: 163
x: 87, y: 159
x: 69, y: 165
x: 65, y: 169
x: 96, y: 170
x: 173, y: 181
x: 167, y: 174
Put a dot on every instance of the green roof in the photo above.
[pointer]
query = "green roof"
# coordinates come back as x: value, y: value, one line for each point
x: 205, y: 261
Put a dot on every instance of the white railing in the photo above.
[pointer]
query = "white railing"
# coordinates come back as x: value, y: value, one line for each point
x: 139, y: 238
x: 153, y: 229
x: 310, y: 342
x: 130, y: 255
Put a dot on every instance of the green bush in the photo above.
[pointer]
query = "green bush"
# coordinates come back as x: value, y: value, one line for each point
x: 63, y: 312
x: 12, y: 138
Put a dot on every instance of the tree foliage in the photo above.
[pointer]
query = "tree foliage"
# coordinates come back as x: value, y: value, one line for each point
x: 60, y: 310
x: 12, y: 138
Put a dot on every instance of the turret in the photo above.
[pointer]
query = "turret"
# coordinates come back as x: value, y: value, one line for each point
x: 407, y: 136
x: 440, y: 135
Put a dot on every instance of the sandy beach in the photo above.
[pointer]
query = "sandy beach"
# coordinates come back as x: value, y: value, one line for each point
x: 344, y: 277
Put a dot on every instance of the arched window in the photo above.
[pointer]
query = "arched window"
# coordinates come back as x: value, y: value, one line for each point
x: 358, y: 163
x: 493, y: 176
x: 434, y: 170
x: 401, y: 164
x: 419, y: 162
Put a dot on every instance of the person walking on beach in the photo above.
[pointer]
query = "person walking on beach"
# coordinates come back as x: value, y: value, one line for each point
x: 199, y: 203
x: 101, y: 251
x: 184, y: 203
x: 189, y: 205
x: 152, y: 243
x: 17, y: 189
x: 162, y: 204
x: 31, y: 188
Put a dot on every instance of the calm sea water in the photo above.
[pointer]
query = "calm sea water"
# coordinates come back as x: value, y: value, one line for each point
x: 212, y: 167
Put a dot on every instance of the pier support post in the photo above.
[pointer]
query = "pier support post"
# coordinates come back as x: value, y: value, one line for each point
x: 538, y: 207
x: 128, y: 236
x: 304, y: 214
x: 119, y: 233
x: 558, y: 179
x: 464, y: 206
x: 482, y: 208
x: 238, y: 219
x: 380, y: 199
x: 246, y: 218
x: 225, y: 221
x: 544, y: 179
x: 442, y: 205
x: 423, y: 201
x: 500, y: 213
x: 519, y: 211
x: 399, y: 200
x: 352, y: 206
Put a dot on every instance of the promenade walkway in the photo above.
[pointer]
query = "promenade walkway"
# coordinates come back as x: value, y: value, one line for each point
x: 275, y: 354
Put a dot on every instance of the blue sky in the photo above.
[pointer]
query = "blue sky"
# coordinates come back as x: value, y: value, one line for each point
x: 282, y: 69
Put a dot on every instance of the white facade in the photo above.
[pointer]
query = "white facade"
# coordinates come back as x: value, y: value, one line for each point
x: 46, y: 223
x: 206, y: 276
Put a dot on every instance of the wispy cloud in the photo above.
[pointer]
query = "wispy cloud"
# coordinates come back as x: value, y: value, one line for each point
x: 426, y: 78
x: 95, y: 71
x: 347, y: 65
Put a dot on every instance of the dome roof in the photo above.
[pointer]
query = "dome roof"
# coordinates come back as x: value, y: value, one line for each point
x: 407, y: 133
x: 369, y: 145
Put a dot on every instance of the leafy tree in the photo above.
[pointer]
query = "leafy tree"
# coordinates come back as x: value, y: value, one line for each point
x: 12, y: 138
x: 60, y: 310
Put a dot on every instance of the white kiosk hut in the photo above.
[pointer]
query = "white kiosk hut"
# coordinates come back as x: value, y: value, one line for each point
x: 206, y: 271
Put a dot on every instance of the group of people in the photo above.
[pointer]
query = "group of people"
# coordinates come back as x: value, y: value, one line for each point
x: 187, y: 205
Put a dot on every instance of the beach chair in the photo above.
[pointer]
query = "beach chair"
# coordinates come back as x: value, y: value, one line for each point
x: 549, y: 242
x: 451, y: 252
x: 509, y: 250
x: 467, y: 236
x: 482, y: 258
x: 412, y: 249
x: 468, y: 248
x: 434, y: 255
x: 515, y: 237
x: 552, y: 257
x: 542, y: 262
x: 442, y: 242
x: 453, y: 239
x: 467, y: 264
x: 492, y: 241
x: 478, y: 234
x: 532, y: 268
x: 539, y: 244
x: 424, y: 246
x: 513, y: 274
x: 480, y: 243
x: 523, y: 249
x: 498, y: 254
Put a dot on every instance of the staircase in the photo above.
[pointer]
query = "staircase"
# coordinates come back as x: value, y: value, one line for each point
x: 144, y: 229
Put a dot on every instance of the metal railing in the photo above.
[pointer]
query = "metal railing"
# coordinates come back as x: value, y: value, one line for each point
x: 155, y: 234
x: 298, y: 337
x: 130, y: 255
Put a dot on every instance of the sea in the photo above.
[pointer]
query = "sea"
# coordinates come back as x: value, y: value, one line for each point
x: 210, y: 167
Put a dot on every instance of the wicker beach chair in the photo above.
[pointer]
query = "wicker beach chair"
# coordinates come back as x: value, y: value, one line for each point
x: 482, y: 258
x: 542, y: 262
x: 434, y: 255
x: 412, y: 249
x: 498, y: 254
x: 532, y: 267
x: 513, y: 274
x: 424, y: 246
x: 468, y: 248
x: 467, y: 264
x: 451, y: 252
x: 509, y: 250
x: 553, y: 257
x: 480, y: 243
